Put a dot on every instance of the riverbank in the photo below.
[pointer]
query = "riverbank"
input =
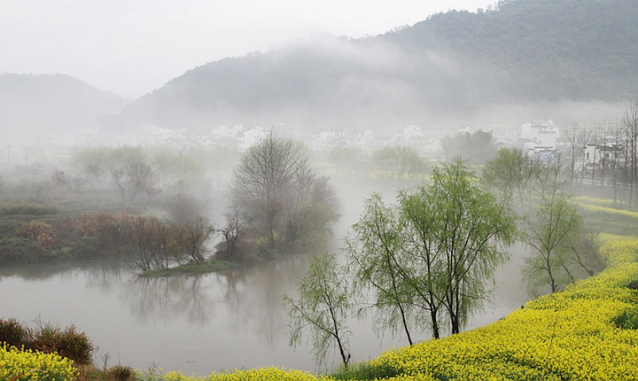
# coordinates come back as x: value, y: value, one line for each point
x: 585, y: 332
x: 210, y: 265
x: 588, y: 331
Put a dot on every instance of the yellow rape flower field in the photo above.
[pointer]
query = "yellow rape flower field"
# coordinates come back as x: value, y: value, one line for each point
x: 34, y: 366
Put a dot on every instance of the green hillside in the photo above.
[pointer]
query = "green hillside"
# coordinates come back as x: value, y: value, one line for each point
x: 450, y: 64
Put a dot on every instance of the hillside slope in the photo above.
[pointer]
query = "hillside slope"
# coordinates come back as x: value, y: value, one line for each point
x: 37, y: 105
x: 453, y: 63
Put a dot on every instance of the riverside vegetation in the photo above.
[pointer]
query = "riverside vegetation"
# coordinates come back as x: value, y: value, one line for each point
x: 508, y: 349
x: 587, y: 331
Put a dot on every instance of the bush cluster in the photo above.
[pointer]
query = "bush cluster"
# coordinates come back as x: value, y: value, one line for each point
x: 47, y: 338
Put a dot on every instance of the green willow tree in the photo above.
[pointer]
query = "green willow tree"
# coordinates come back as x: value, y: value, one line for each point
x: 378, y: 261
x: 467, y: 226
x: 322, y: 309
x: 435, y: 253
x: 551, y: 234
x: 513, y: 172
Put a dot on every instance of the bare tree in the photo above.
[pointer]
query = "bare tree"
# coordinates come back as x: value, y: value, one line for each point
x: 191, y: 237
x: 151, y: 244
x: 276, y: 188
x: 233, y: 232
x: 136, y: 178
x: 549, y: 234
x: 630, y: 129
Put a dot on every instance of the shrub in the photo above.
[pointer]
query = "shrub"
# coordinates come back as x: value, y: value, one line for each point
x: 628, y: 319
x: 111, y: 231
x: 19, y: 250
x: 38, y: 231
x: 120, y: 373
x: 13, y: 333
x: 68, y: 343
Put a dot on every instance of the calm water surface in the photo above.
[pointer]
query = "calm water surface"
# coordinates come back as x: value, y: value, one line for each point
x: 200, y: 324
x: 196, y: 324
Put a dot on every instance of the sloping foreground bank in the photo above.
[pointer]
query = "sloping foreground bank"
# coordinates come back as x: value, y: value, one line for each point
x: 588, y: 332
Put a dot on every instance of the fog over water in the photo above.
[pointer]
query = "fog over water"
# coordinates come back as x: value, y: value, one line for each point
x: 205, y: 323
x: 127, y: 125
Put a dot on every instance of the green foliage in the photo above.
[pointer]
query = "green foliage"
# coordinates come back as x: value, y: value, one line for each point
x: 107, y: 159
x: 628, y: 319
x: 551, y: 234
x: 475, y: 148
x: 398, y: 161
x: 20, y: 250
x: 380, y: 262
x: 24, y: 208
x: 467, y: 226
x: 322, y: 308
x: 511, y: 171
x: 434, y: 254
x: 365, y: 371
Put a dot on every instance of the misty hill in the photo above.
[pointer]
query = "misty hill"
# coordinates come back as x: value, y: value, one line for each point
x: 453, y: 63
x: 40, y: 105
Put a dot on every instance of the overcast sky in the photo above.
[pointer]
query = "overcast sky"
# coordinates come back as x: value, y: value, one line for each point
x: 131, y: 47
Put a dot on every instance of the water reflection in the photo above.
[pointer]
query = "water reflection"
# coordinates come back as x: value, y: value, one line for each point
x: 168, y: 299
x: 197, y: 324
x: 250, y: 298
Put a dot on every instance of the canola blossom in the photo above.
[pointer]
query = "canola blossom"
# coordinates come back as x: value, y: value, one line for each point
x: 605, y: 209
x: 29, y: 365
x: 262, y: 374
x: 571, y: 335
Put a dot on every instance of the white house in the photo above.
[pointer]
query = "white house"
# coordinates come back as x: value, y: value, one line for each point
x: 249, y: 138
x: 541, y: 133
x: 598, y: 155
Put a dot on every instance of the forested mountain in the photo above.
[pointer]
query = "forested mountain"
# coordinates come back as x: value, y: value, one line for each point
x: 39, y: 105
x: 451, y: 63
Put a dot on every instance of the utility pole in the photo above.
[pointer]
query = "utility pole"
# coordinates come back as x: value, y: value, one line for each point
x: 9, y: 146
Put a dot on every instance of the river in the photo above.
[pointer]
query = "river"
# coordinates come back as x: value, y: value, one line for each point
x: 198, y: 324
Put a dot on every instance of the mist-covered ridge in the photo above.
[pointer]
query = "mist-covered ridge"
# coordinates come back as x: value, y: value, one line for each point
x: 41, y: 105
x: 521, y: 51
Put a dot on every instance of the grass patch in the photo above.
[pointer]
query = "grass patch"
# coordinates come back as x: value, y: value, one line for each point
x: 628, y: 319
x: 600, y: 216
x: 28, y: 209
x: 209, y: 266
x: 365, y: 371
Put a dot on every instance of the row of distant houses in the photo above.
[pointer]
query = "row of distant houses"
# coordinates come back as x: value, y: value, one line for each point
x: 540, y: 139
